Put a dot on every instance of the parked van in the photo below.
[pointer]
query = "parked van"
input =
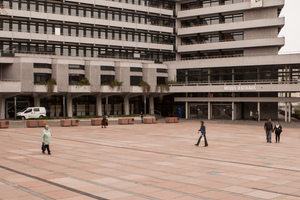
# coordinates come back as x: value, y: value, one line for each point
x: 32, y: 112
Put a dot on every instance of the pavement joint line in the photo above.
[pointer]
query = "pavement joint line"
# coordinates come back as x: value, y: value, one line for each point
x: 150, y: 185
x: 52, y: 183
x: 25, y: 190
x: 282, y: 193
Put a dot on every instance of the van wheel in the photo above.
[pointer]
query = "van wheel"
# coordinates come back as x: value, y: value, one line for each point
x: 41, y: 116
x: 23, y: 118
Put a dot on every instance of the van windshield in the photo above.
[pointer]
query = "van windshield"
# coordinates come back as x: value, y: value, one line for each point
x: 24, y: 110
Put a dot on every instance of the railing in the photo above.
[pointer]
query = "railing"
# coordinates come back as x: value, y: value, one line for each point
x: 199, y: 6
x: 238, y: 82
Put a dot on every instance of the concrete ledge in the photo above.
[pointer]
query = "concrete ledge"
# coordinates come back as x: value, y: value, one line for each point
x: 65, y: 122
x: 96, y: 122
x: 32, y: 123
x: 172, y: 120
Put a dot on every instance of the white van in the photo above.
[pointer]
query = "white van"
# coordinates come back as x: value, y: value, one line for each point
x: 32, y: 112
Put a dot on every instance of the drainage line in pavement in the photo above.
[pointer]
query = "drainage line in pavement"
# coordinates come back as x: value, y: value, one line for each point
x: 55, y: 184
x: 282, y: 193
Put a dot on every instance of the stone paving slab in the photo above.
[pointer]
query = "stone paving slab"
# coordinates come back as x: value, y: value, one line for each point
x: 151, y: 161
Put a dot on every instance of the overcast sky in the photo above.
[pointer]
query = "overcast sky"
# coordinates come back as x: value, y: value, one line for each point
x: 291, y: 30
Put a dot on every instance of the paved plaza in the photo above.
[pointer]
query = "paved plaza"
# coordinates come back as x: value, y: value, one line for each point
x: 151, y: 161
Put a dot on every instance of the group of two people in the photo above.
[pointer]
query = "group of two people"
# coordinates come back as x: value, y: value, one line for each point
x: 268, y: 126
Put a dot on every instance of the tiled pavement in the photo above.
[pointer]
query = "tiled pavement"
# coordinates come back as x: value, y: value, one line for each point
x: 128, y: 162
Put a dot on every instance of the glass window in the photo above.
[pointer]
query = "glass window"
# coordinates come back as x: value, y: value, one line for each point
x: 135, y: 80
x: 136, y: 69
x: 106, y: 79
x: 32, y: 27
x: 88, y: 12
x: 15, y: 26
x: 65, y: 10
x: 24, y: 5
x: 107, y: 68
x: 80, y: 12
x: 72, y: 66
x: 57, y: 9
x: 24, y: 27
x: 41, y: 6
x: 49, y: 29
x: 75, y: 78
x: 42, y: 65
x: 49, y: 7
x: 41, y: 78
x: 73, y: 11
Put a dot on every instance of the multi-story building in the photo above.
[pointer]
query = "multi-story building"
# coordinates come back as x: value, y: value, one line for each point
x: 221, y: 56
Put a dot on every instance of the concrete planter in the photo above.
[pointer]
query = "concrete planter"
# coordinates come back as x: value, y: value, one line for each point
x: 65, y: 122
x: 130, y: 120
x: 123, y: 121
x: 150, y: 121
x: 96, y: 122
x: 74, y: 122
x: 32, y: 123
x: 172, y: 120
x: 42, y: 123
x: 4, y: 124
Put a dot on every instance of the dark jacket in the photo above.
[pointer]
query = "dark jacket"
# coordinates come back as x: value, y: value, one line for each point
x: 279, y: 129
x: 202, y: 129
x: 268, y: 126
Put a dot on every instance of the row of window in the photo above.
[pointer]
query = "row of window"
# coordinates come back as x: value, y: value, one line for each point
x: 90, y: 12
x: 212, y: 54
x: 169, y: 5
x: 211, y: 38
x: 91, y: 32
x: 220, y: 19
x: 207, y: 3
x: 83, y: 51
x: 105, y: 79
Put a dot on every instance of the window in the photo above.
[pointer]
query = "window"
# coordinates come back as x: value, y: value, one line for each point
x: 107, y: 68
x: 106, y: 79
x: 41, y: 77
x: 161, y: 70
x: 42, y: 65
x: 135, y: 80
x: 136, y: 69
x: 36, y: 109
x: 75, y: 78
x: 76, y: 66
x: 161, y: 80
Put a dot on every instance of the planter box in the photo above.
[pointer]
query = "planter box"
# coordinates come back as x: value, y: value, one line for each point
x: 130, y: 120
x: 172, y: 120
x: 65, y: 122
x: 123, y: 121
x: 32, y: 123
x: 150, y: 121
x: 4, y: 124
x: 42, y: 123
x: 96, y: 122
x: 74, y: 122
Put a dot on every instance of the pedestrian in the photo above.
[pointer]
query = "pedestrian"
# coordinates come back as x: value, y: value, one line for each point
x: 251, y: 115
x: 142, y: 117
x: 278, y: 130
x: 46, y: 140
x: 203, y: 133
x: 104, y: 121
x: 269, y: 129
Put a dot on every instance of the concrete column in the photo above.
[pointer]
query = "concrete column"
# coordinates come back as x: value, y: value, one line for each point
x: 36, y: 100
x: 285, y: 112
x: 69, y: 106
x: 186, y: 110
x: 233, y: 111
x: 2, y: 108
x: 126, y: 105
x: 99, y: 106
x: 258, y: 109
x: 209, y: 111
x: 151, y: 105
x: 290, y: 111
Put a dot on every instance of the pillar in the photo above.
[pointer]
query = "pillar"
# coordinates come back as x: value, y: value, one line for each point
x: 232, y: 112
x: 69, y: 106
x: 290, y: 111
x: 258, y: 109
x: 285, y: 112
x: 37, y: 101
x: 209, y: 111
x: 2, y: 108
x: 186, y: 110
x: 99, y: 105
x: 126, y: 105
x: 151, y: 105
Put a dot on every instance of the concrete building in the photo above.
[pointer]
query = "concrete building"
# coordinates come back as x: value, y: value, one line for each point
x: 221, y: 56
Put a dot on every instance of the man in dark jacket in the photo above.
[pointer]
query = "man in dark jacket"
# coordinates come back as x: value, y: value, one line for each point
x: 269, y: 129
x: 203, y: 133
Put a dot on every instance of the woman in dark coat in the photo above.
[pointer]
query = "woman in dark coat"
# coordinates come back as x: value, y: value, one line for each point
x: 278, y: 130
x: 104, y: 122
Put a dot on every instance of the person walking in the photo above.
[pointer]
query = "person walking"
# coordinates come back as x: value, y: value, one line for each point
x: 104, y: 119
x: 46, y: 140
x: 203, y: 133
x: 251, y: 115
x: 142, y: 117
x: 269, y: 129
x: 278, y: 130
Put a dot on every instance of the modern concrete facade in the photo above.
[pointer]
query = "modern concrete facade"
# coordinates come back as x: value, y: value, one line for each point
x: 222, y: 56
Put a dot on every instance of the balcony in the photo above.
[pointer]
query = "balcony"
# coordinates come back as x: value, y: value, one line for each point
x: 79, y: 89
x: 10, y: 86
x: 108, y: 89
x: 43, y: 88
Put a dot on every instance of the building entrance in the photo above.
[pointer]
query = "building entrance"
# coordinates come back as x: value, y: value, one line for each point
x: 221, y: 111
x: 199, y: 111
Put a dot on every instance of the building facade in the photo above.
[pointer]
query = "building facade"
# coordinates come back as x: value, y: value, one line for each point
x: 219, y: 56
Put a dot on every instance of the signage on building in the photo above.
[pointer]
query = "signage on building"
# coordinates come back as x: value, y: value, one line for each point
x: 240, y: 88
x: 256, y: 3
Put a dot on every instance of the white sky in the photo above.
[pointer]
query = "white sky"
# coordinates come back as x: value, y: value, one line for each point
x: 291, y: 30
